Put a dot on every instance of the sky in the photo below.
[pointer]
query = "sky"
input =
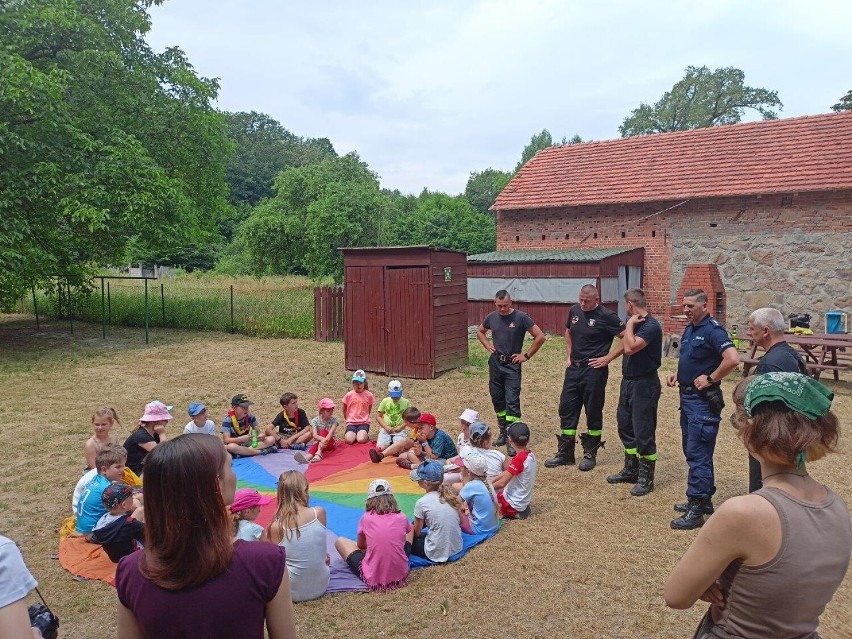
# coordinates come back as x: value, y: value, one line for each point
x: 427, y: 92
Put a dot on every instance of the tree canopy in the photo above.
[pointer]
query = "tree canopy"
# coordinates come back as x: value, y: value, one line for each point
x: 702, y: 98
x: 483, y: 187
x: 845, y: 103
x: 102, y: 140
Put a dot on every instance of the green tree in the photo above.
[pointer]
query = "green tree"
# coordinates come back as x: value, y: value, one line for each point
x: 483, y: 187
x: 445, y: 221
x: 316, y: 209
x: 541, y: 141
x: 845, y: 103
x: 102, y: 140
x: 702, y: 98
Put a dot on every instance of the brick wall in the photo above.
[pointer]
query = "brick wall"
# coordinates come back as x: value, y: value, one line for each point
x: 709, y: 230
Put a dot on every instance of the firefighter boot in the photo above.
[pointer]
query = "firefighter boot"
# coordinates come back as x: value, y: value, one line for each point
x: 501, y: 440
x: 645, y: 483
x: 693, y: 517
x: 564, y: 453
x: 627, y: 475
x: 590, y: 443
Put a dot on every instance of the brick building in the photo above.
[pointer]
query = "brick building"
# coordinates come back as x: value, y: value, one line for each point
x: 769, y: 203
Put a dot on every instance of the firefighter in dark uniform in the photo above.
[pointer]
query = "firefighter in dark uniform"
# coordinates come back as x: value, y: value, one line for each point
x: 707, y: 355
x: 642, y: 344
x: 589, y: 330
x: 508, y: 327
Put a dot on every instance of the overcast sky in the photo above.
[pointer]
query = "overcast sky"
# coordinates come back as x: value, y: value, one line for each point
x: 427, y: 92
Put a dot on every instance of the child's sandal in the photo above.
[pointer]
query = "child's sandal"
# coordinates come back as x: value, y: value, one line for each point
x: 316, y: 458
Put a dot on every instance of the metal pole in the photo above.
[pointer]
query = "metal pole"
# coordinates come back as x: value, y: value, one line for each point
x: 103, y: 309
x: 58, y: 298
x: 109, y: 304
x: 163, y: 303
x: 70, y: 306
x: 35, y: 308
x: 146, y: 310
x: 232, y: 308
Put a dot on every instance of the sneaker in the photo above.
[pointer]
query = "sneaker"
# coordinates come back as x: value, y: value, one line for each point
x: 269, y: 451
x: 526, y: 512
x: 403, y: 463
x: 301, y: 458
x: 298, y: 447
x: 375, y: 456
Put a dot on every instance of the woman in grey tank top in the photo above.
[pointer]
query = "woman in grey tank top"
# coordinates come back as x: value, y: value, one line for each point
x: 769, y: 562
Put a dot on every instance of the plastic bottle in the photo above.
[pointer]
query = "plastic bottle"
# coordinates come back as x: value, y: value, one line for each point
x: 254, y: 438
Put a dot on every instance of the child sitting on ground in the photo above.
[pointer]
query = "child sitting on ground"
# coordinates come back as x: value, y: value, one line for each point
x: 410, y: 420
x: 150, y: 432
x: 379, y: 557
x: 479, y: 441
x: 432, y: 444
x: 240, y: 430
x: 244, y: 510
x: 322, y: 429
x: 389, y: 416
x: 468, y: 417
x: 109, y: 462
x: 199, y: 423
x: 439, y: 510
x: 102, y: 421
x: 479, y: 494
x: 357, y: 406
x: 121, y: 529
x: 515, y: 484
x: 291, y: 423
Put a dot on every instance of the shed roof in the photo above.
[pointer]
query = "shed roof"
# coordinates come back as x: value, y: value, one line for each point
x: 572, y: 255
x: 812, y: 153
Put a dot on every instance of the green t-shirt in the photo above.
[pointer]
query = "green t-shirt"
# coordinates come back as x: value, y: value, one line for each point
x: 392, y: 411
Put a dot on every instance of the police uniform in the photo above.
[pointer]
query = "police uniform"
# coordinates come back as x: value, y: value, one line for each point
x: 584, y: 387
x: 504, y: 376
x: 637, y: 407
x: 701, y: 349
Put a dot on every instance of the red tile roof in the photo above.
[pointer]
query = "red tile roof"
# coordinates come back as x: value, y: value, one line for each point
x: 812, y: 153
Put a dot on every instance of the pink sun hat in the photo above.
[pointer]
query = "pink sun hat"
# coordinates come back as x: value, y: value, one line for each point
x: 246, y: 498
x: 156, y: 411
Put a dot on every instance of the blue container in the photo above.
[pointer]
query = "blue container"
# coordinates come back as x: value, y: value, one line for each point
x: 834, y: 322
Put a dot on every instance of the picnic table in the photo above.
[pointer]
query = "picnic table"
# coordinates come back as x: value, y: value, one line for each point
x: 820, y: 351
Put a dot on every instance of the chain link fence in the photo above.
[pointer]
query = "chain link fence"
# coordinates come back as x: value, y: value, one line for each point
x: 258, y: 309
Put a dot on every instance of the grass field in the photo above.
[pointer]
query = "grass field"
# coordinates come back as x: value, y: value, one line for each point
x: 591, y: 562
x: 262, y: 307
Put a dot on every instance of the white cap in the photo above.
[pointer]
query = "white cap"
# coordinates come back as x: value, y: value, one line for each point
x: 379, y: 487
x: 469, y: 415
x: 475, y: 463
x: 395, y: 388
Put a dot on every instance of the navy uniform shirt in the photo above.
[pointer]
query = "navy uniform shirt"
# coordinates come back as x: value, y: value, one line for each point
x: 507, y: 331
x: 781, y: 358
x: 592, y: 332
x: 701, y: 349
x: 649, y: 359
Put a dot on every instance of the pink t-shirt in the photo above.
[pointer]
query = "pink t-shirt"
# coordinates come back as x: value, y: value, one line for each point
x: 385, y: 563
x: 358, y: 406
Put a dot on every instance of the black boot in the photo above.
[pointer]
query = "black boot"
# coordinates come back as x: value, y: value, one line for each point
x: 501, y: 440
x: 510, y: 450
x: 627, y: 475
x: 590, y: 450
x: 645, y: 482
x: 684, y: 506
x: 693, y: 517
x: 564, y: 453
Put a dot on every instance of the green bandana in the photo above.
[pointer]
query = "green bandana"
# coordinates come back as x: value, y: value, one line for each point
x: 798, y: 392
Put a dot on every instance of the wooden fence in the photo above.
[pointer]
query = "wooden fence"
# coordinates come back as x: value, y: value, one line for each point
x: 328, y: 313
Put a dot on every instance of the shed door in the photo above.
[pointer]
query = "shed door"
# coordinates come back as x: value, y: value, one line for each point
x: 364, y: 318
x: 408, y: 318
x: 628, y: 277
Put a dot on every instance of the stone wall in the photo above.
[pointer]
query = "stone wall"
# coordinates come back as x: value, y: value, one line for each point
x: 793, y: 272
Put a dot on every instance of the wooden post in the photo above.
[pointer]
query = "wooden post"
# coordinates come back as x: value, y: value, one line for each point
x: 103, y: 309
x: 147, y: 314
x: 35, y: 308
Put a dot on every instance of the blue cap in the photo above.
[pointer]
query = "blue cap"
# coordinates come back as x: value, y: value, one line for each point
x: 430, y: 471
x: 478, y: 429
x: 195, y: 408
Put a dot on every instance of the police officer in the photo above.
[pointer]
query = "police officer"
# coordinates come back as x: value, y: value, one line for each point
x: 707, y: 355
x: 642, y: 344
x: 508, y: 327
x: 767, y: 327
x: 589, y: 330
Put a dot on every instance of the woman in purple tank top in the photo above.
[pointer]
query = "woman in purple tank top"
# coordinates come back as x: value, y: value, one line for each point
x: 769, y: 562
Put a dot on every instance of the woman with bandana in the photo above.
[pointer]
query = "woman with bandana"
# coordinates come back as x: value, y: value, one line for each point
x: 769, y: 562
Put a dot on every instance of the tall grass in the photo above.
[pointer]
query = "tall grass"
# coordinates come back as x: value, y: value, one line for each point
x: 268, y: 307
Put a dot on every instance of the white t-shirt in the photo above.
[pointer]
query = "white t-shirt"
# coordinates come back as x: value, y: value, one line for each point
x: 493, y: 460
x: 463, y: 445
x: 518, y: 492
x: 249, y: 531
x: 444, y: 538
x: 209, y: 428
x: 15, y: 580
x: 88, y: 476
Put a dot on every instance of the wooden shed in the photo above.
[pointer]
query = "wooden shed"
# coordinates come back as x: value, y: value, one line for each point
x: 405, y: 310
x: 544, y: 284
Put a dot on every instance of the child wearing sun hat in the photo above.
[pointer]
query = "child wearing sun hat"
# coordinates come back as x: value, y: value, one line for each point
x: 244, y: 509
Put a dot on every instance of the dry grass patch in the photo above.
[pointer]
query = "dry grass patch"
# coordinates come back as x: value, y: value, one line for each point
x: 590, y: 562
